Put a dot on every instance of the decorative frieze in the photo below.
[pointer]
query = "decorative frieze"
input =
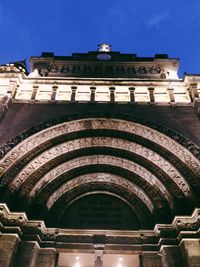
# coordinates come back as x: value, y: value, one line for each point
x: 101, y: 178
x: 108, y: 70
x: 53, y: 174
x: 100, y: 123
x: 73, y: 145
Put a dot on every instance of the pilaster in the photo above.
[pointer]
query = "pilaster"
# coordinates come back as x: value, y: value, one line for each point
x: 151, y: 260
x: 190, y: 249
x: 73, y: 94
x: 27, y: 254
x: 8, y: 247
x: 54, y: 91
x: 132, y: 94
x: 151, y: 94
x: 112, y: 94
x: 171, y: 95
x: 46, y: 257
x: 92, y: 95
x: 171, y: 256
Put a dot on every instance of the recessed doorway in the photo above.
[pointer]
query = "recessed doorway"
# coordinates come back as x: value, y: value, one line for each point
x: 88, y: 260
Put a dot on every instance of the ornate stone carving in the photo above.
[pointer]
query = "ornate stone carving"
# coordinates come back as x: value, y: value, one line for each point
x: 115, y: 124
x: 96, y: 159
x: 191, y: 223
x: 155, y: 69
x: 53, y: 68
x: 100, y: 177
x: 58, y: 150
x: 51, y: 237
x: 180, y: 225
x: 140, y: 209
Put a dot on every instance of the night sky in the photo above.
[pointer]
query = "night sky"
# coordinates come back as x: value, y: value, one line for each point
x: 142, y: 27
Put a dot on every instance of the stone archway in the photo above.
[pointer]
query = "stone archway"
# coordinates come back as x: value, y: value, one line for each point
x: 153, y: 171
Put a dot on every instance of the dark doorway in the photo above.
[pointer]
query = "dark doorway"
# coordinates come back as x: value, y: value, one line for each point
x: 99, y: 211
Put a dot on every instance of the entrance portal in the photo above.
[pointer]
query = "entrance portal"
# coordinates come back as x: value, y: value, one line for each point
x: 90, y: 260
x: 99, y: 211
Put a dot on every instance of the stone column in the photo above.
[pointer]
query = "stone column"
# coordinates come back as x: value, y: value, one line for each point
x: 190, y: 250
x: 151, y: 94
x: 8, y: 248
x: 13, y: 88
x: 54, y: 91
x: 171, y: 94
x: 46, y: 257
x: 190, y: 94
x: 171, y: 256
x: 193, y: 90
x: 132, y: 95
x: 73, y: 95
x: 92, y: 94
x: 112, y: 94
x: 26, y: 254
x: 151, y: 260
x: 35, y: 89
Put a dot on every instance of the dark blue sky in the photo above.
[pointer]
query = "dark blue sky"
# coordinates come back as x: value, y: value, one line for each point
x: 144, y: 27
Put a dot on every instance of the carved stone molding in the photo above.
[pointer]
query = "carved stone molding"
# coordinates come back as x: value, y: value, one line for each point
x: 142, y: 212
x: 181, y: 227
x: 58, y: 150
x: 54, y: 237
x: 101, y: 123
x: 132, y: 119
x: 32, y: 190
x: 101, y: 178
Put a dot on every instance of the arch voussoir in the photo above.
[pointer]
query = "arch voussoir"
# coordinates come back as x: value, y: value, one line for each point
x: 52, y: 132
x: 114, y: 143
x: 145, y: 217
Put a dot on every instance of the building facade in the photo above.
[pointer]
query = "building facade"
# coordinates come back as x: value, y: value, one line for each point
x: 99, y: 162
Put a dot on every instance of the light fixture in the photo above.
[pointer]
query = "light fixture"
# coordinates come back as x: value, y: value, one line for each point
x: 119, y: 264
x: 77, y: 263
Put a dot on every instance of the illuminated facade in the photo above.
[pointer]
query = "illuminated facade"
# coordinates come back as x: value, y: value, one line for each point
x: 99, y: 162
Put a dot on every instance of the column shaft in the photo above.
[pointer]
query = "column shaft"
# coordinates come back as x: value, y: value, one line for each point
x: 190, y: 250
x: 171, y: 256
x: 46, y: 258
x: 8, y: 248
x: 112, y: 94
x: 193, y: 90
x: 151, y: 94
x: 35, y: 89
x: 171, y: 94
x: 73, y: 95
x: 151, y: 260
x: 26, y: 254
x: 54, y: 91
x: 92, y: 94
x: 132, y: 94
